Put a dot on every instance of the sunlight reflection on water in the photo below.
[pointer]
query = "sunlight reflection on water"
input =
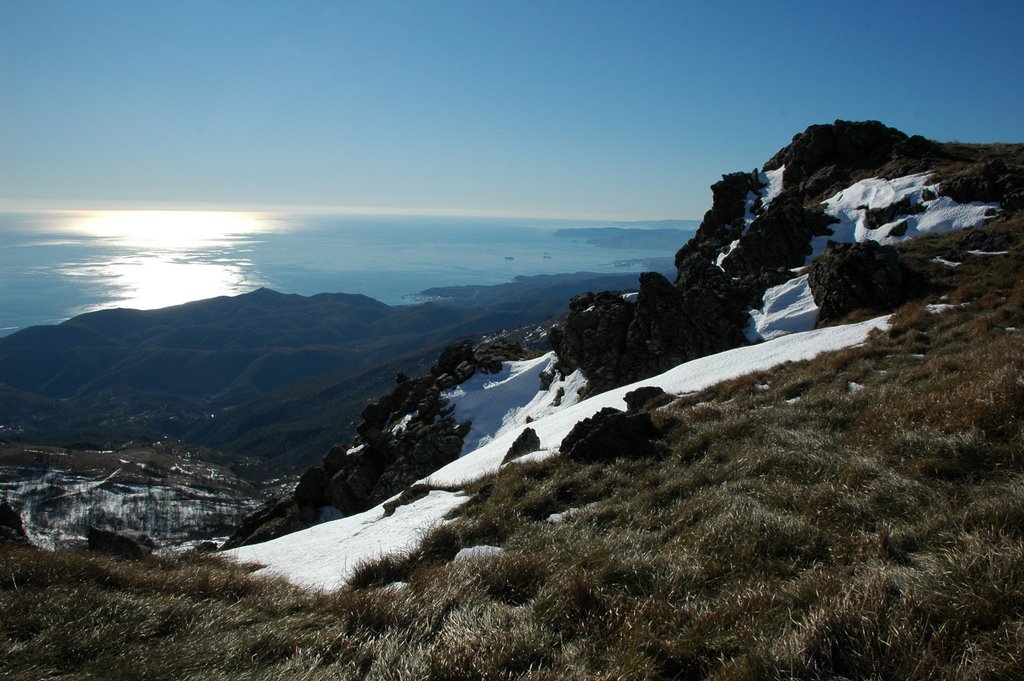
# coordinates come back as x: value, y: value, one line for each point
x: 162, y: 258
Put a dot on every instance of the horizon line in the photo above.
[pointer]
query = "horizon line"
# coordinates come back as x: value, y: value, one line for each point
x: 93, y: 205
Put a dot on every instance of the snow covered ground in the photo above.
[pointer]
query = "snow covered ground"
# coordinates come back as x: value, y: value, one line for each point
x: 789, y: 307
x: 325, y: 555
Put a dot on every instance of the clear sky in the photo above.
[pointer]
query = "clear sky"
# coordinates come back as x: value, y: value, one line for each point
x: 618, y: 109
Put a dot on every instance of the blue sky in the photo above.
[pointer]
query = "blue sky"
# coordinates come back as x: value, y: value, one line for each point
x: 616, y: 109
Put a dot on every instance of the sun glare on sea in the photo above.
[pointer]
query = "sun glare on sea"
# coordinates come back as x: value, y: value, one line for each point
x: 169, y: 228
x: 160, y: 258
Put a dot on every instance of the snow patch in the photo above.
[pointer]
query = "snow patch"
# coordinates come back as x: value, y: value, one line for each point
x: 942, y: 214
x: 478, y: 552
x: 324, y: 556
x: 786, y: 308
x: 493, y: 403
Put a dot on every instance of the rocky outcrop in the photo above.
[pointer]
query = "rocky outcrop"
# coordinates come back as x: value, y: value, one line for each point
x: 527, y: 441
x: 849, y: 277
x: 402, y: 437
x: 11, y: 527
x: 617, y: 342
x: 123, y: 544
x: 823, y: 158
x: 745, y: 245
x: 611, y: 434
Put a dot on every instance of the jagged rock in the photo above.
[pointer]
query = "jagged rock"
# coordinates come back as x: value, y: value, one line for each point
x: 646, y: 396
x: 778, y: 240
x: 594, y: 337
x: 616, y: 342
x: 276, y: 518
x: 451, y: 357
x: 840, y: 147
x: 351, y: 487
x: 856, y: 276
x: 721, y: 225
x: 11, y: 527
x: 526, y: 442
x: 611, y: 434
x: 124, y: 544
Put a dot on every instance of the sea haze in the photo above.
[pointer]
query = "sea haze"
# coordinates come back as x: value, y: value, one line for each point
x: 57, y: 265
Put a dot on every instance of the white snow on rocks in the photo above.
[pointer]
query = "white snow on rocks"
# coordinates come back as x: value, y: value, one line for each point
x: 790, y: 307
x: 942, y: 214
x: 786, y: 308
x: 772, y: 181
x: 497, y: 403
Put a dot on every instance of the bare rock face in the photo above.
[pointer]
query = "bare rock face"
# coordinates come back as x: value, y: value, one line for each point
x: 11, y: 527
x: 123, y: 544
x: 848, y: 277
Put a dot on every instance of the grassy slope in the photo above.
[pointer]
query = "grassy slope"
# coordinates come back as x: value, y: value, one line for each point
x: 793, y: 527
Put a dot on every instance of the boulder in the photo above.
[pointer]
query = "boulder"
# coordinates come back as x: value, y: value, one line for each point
x: 526, y: 442
x: 611, y: 434
x: 11, y: 527
x: 124, y: 544
x: 646, y: 396
x: 849, y: 277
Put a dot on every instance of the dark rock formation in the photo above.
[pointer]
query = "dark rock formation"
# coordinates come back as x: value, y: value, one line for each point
x: 122, y: 544
x: 648, y: 396
x: 615, y: 343
x: 780, y: 239
x: 856, y: 276
x: 11, y: 527
x: 276, y: 518
x: 527, y: 442
x: 594, y: 337
x: 611, y: 434
x: 822, y: 158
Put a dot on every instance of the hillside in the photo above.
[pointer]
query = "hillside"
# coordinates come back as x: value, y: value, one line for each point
x: 800, y: 459
x: 203, y: 371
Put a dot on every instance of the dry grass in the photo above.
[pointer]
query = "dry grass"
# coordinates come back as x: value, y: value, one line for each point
x: 860, y: 515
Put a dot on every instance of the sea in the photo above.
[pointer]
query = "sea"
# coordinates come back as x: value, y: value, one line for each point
x: 55, y: 265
